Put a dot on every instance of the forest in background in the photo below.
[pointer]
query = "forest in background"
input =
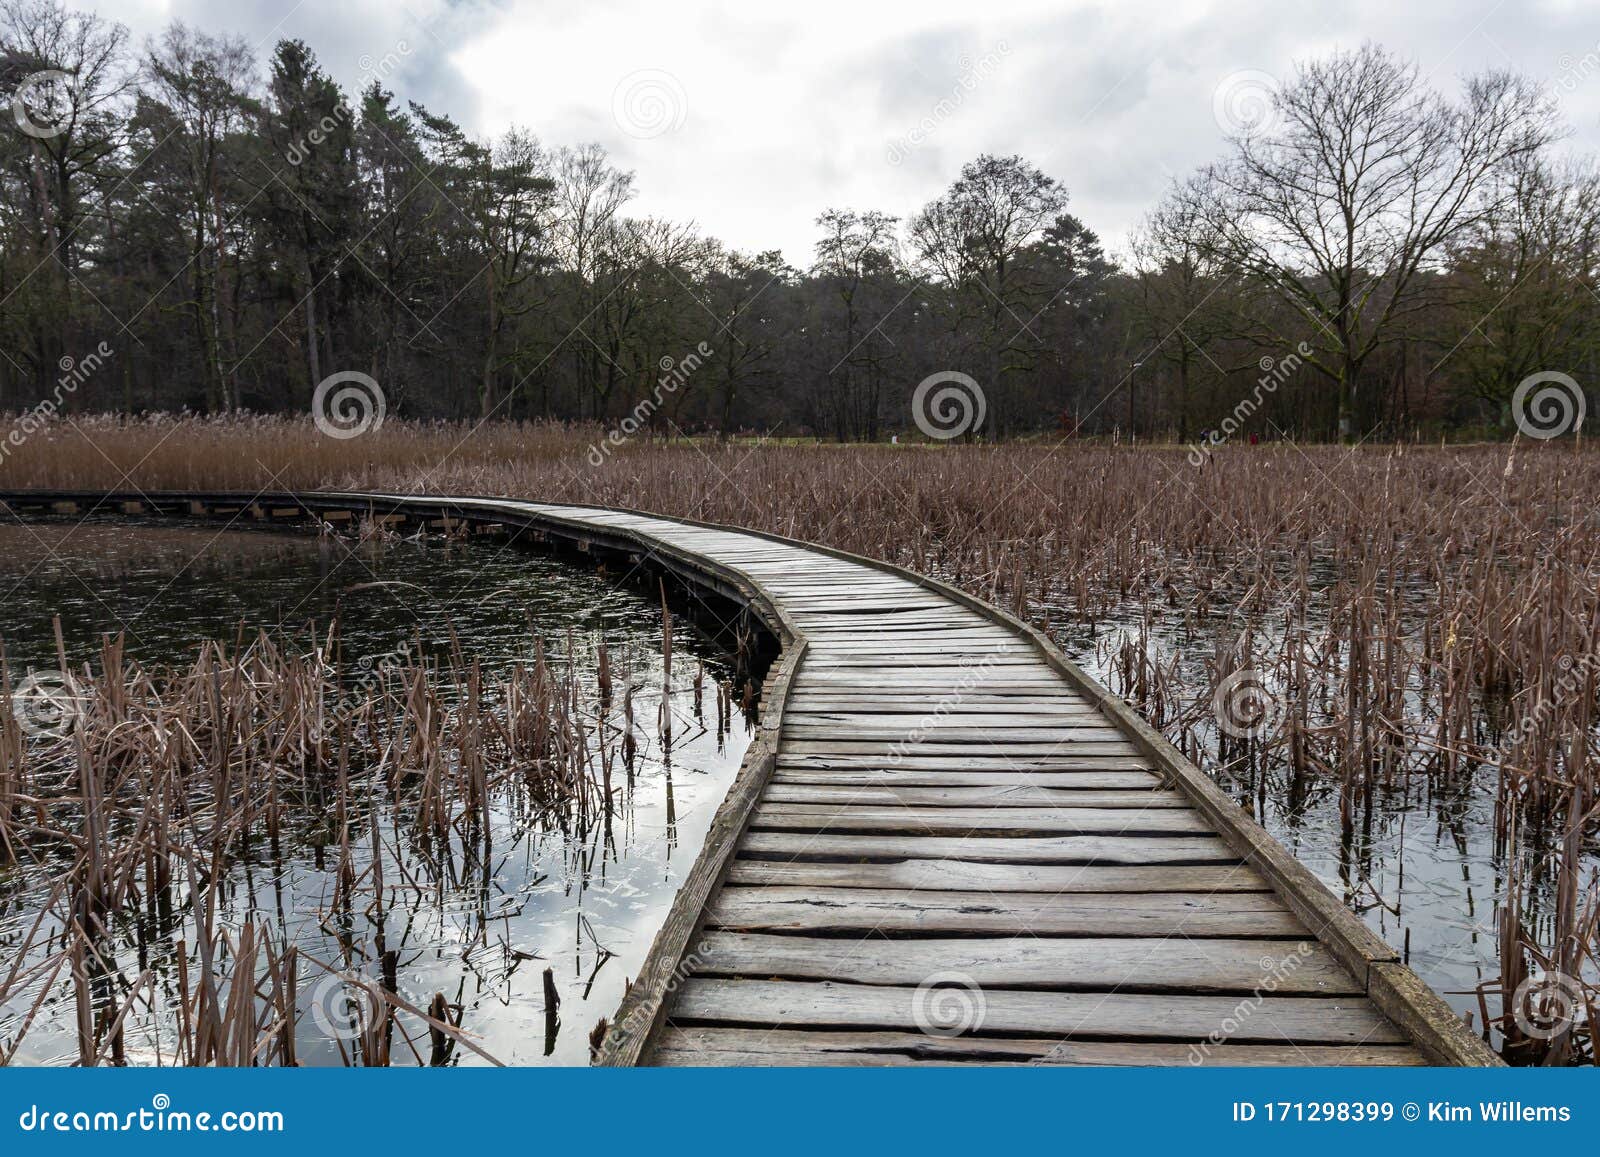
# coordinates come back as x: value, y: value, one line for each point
x: 186, y: 227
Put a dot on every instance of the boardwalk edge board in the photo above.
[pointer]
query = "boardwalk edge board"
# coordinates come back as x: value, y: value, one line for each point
x: 1415, y: 1009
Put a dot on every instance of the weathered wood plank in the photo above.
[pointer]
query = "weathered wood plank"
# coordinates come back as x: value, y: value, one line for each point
x: 1124, y: 1016
x: 994, y: 849
x: 1074, y: 778
x: 1002, y: 796
x: 1019, y: 710
x: 805, y: 817
x: 1042, y: 737
x: 1008, y: 752
x: 929, y: 912
x: 709, y: 1045
x: 972, y: 876
x: 1124, y: 964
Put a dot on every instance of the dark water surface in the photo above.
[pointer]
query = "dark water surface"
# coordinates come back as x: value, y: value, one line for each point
x: 1424, y: 871
x: 586, y: 904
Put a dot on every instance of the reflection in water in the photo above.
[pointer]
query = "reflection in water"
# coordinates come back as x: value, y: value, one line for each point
x: 1419, y: 858
x: 513, y: 910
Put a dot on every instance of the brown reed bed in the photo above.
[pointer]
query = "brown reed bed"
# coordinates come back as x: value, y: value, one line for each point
x: 1393, y: 614
x: 140, y: 796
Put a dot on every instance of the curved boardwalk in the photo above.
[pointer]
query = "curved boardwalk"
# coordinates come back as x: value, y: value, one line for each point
x: 948, y: 844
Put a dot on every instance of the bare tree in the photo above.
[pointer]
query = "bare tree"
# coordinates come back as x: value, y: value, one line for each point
x: 68, y: 75
x: 70, y: 72
x: 590, y: 193
x: 203, y: 86
x: 1363, y: 175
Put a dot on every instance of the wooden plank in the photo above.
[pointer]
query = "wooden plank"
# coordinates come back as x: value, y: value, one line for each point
x: 1002, y: 796
x: 1020, y: 821
x: 1087, y: 775
x: 929, y: 912
x: 927, y: 718
x: 994, y: 849
x: 1443, y: 1037
x: 892, y: 666
x: 1075, y: 779
x: 899, y: 647
x: 969, y: 876
x: 1123, y: 964
x: 1273, y: 1019
x: 1021, y: 708
x: 929, y: 685
x: 715, y: 1045
x: 1041, y: 736
x: 1001, y: 754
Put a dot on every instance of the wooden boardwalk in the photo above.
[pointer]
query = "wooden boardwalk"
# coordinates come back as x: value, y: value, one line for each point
x: 949, y: 845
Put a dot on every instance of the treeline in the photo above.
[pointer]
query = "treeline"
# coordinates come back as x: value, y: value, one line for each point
x: 1369, y: 255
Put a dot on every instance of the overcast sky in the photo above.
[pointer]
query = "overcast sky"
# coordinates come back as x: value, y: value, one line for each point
x: 751, y: 118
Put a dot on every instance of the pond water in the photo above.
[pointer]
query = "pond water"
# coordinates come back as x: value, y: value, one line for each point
x: 1423, y: 867
x: 583, y: 899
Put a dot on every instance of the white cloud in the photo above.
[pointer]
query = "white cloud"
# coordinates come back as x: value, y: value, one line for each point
x: 790, y: 109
